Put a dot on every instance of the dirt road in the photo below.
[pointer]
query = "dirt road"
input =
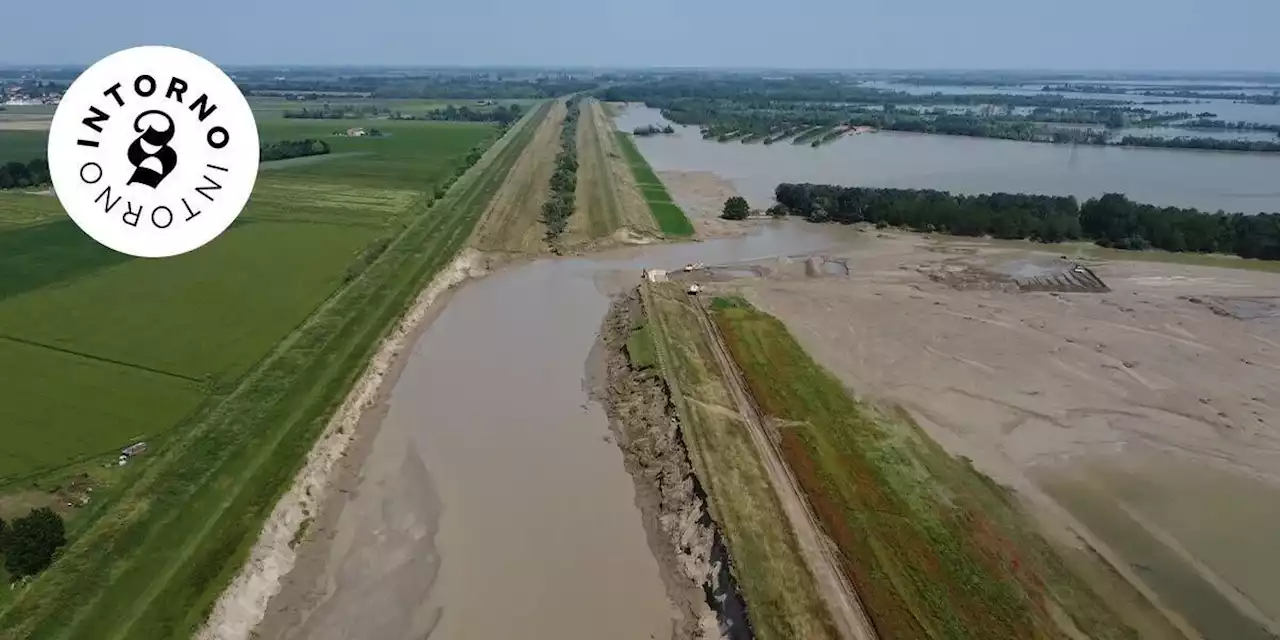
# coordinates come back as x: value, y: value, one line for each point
x: 513, y: 222
x: 818, y: 551
x: 607, y: 196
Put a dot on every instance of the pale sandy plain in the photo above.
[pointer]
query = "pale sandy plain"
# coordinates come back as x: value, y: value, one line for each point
x: 1142, y: 421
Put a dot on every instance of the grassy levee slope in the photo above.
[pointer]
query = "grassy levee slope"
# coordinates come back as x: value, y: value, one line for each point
x: 23, y: 146
x: 671, y: 219
x: 781, y: 596
x: 607, y: 196
x: 152, y: 565
x: 935, y: 549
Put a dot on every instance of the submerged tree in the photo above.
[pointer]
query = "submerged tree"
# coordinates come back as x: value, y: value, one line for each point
x: 735, y: 208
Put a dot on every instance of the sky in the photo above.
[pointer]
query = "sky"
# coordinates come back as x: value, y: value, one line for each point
x: 1194, y: 35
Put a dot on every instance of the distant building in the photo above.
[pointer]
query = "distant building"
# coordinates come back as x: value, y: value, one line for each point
x: 355, y: 132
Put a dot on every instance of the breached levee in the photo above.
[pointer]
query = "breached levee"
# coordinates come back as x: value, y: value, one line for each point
x: 682, y: 533
x: 243, y: 605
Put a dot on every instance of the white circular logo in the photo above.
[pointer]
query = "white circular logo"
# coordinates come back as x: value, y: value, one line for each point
x: 153, y: 151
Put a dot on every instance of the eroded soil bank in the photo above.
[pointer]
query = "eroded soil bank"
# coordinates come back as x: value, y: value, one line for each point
x: 681, y: 530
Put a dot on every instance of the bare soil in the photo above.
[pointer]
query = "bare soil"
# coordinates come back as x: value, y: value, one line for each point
x: 513, y: 221
x: 1169, y: 375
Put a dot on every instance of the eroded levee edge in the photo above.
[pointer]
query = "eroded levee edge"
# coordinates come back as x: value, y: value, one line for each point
x: 243, y: 605
x: 687, y: 542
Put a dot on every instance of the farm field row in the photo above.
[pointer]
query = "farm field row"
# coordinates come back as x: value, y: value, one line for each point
x: 607, y: 196
x: 934, y: 548
x: 671, y: 219
x: 298, y: 306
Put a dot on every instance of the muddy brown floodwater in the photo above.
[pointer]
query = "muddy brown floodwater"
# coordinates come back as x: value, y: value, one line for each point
x: 490, y: 502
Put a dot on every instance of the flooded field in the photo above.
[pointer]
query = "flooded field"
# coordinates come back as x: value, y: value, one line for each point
x: 1208, y: 180
x: 1201, y: 537
x: 491, y: 502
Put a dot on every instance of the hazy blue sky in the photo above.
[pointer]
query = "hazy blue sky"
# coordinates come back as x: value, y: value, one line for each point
x: 1094, y: 34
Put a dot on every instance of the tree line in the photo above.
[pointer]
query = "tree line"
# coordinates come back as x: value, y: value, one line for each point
x: 283, y: 149
x: 35, y: 173
x: 28, y: 544
x: 1190, y: 142
x: 337, y: 112
x: 758, y: 92
x: 18, y: 175
x: 1111, y: 220
x: 564, y: 181
x: 471, y: 86
x: 505, y: 114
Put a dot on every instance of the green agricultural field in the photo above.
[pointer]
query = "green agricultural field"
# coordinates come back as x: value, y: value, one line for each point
x: 670, y: 217
x: 149, y: 562
x: 94, y: 405
x: 206, y: 315
x: 934, y: 548
x: 18, y: 209
x: 23, y: 146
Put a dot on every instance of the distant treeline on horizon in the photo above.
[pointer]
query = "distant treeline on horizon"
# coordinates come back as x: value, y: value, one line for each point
x: 1112, y: 220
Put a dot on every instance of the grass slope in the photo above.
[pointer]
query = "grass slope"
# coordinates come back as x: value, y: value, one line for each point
x: 671, y: 219
x: 935, y: 549
x: 149, y: 561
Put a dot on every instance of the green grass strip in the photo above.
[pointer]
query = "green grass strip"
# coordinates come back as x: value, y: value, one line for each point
x: 670, y: 217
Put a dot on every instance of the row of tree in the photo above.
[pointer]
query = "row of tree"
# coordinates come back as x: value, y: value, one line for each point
x: 477, y: 85
x: 564, y: 181
x: 282, y: 149
x: 753, y: 90
x: 1111, y: 220
x: 30, y: 542
x: 17, y: 175
x: 504, y: 114
x: 328, y: 111
x: 1190, y: 142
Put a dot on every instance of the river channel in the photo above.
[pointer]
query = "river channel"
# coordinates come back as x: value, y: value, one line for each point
x: 491, y: 502
x: 1208, y: 180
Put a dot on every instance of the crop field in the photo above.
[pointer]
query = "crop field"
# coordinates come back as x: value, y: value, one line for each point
x: 18, y: 209
x: 671, y: 219
x: 771, y: 573
x: 935, y: 549
x: 234, y: 357
x: 22, y: 146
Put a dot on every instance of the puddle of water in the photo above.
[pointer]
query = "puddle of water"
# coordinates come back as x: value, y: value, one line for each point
x: 1140, y: 506
x: 539, y: 536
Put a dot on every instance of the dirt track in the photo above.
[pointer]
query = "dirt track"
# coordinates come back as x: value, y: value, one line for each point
x: 513, y: 221
x: 607, y: 198
x: 818, y: 551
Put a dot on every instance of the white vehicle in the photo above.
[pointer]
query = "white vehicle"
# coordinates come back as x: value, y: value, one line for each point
x: 694, y: 289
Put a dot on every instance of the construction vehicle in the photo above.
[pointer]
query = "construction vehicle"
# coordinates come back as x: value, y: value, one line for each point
x: 694, y: 289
